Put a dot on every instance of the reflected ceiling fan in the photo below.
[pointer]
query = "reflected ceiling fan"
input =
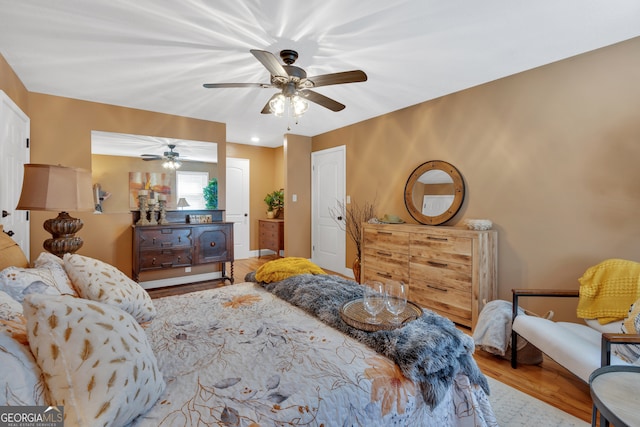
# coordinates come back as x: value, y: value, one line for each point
x: 295, y: 87
x: 170, y: 158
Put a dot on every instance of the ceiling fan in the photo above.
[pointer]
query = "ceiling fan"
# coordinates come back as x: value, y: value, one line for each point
x: 170, y: 158
x: 294, y: 84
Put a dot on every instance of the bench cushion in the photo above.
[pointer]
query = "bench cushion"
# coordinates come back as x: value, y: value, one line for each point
x: 572, y: 345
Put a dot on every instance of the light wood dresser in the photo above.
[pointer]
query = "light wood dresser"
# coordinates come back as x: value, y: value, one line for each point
x: 449, y: 270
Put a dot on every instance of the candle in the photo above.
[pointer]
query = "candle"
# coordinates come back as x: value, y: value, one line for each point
x: 143, y: 192
x: 152, y: 201
x: 162, y: 197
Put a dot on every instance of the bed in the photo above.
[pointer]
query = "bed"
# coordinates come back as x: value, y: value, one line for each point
x: 237, y: 355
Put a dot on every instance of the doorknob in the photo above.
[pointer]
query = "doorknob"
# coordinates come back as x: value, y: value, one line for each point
x: 9, y: 233
x: 246, y: 214
x: 339, y: 218
x: 5, y: 213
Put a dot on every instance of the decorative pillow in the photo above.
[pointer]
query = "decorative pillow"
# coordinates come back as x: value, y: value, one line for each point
x: 22, y: 386
x: 280, y: 269
x: 631, y: 325
x: 99, y: 281
x: 608, y: 289
x: 18, y: 282
x: 10, y: 252
x: 95, y: 358
x: 12, y: 321
x: 56, y: 266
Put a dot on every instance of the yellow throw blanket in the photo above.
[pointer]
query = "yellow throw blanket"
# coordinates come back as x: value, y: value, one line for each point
x: 608, y: 289
x: 280, y: 269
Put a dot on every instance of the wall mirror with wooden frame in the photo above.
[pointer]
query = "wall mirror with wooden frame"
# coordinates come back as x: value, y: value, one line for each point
x: 434, y: 192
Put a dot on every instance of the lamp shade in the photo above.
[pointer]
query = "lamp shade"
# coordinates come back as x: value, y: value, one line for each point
x: 182, y: 202
x: 56, y: 188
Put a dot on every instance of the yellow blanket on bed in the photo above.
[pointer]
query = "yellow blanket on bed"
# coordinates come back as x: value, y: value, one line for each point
x: 280, y: 269
x: 608, y: 289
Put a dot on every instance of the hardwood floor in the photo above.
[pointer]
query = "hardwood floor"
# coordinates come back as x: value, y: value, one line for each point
x: 548, y: 382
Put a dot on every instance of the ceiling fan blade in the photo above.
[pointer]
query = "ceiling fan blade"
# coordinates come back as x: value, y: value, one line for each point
x: 267, y: 108
x: 323, y: 100
x: 227, y: 85
x: 270, y: 62
x: 339, y: 78
x: 148, y: 157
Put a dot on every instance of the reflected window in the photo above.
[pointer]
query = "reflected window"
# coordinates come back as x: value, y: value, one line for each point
x: 190, y: 185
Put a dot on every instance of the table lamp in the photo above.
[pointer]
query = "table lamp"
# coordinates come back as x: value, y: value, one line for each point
x: 182, y: 203
x: 62, y: 189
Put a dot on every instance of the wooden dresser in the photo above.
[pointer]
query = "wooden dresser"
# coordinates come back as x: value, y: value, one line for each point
x: 449, y: 270
x: 179, y: 245
x: 271, y: 235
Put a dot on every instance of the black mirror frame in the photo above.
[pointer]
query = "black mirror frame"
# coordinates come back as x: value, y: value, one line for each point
x: 458, y: 184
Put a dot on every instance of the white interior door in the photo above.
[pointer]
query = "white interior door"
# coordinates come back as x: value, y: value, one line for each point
x: 327, y: 190
x: 14, y: 153
x: 237, y: 207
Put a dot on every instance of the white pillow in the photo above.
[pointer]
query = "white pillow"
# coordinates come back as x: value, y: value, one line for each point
x: 56, y: 266
x: 18, y: 282
x: 631, y: 325
x: 21, y: 383
x: 95, y: 358
x: 12, y: 321
x: 99, y: 281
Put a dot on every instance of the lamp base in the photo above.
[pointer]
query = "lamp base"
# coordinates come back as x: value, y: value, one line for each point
x: 62, y: 229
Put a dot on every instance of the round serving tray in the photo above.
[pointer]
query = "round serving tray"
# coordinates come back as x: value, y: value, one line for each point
x: 354, y: 314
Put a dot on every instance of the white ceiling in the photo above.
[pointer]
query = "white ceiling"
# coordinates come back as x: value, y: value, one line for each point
x: 156, y: 54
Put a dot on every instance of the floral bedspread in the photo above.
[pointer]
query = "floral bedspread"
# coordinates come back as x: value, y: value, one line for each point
x: 239, y: 356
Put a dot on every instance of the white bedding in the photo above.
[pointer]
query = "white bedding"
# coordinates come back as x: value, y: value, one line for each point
x: 238, y: 355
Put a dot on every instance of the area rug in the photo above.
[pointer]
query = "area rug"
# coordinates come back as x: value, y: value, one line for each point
x: 514, y: 408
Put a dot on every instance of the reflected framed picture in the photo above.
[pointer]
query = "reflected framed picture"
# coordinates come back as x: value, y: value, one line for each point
x: 155, y: 183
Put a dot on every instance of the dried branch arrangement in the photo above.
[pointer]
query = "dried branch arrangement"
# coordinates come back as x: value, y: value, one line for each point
x: 353, y: 217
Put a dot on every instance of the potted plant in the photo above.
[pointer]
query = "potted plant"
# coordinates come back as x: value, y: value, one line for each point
x: 210, y: 193
x: 275, y: 202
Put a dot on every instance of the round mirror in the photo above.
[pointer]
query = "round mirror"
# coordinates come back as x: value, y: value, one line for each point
x: 434, y: 192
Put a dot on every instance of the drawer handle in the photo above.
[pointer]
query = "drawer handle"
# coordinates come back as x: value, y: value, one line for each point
x: 153, y: 241
x: 437, y: 288
x: 153, y: 261
x: 438, y: 264
x: 383, y: 253
x: 212, y: 244
x: 386, y: 233
x: 439, y: 239
x: 179, y: 239
x: 385, y: 275
x: 166, y: 244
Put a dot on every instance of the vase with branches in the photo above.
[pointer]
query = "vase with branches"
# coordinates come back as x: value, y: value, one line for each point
x: 354, y: 216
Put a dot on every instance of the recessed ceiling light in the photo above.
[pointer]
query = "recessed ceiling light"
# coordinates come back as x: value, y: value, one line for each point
x: 255, y: 139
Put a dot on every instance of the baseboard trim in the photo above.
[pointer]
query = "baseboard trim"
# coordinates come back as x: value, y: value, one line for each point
x: 181, y: 280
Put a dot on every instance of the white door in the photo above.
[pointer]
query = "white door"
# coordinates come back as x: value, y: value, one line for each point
x: 327, y: 190
x: 237, y: 210
x: 14, y: 153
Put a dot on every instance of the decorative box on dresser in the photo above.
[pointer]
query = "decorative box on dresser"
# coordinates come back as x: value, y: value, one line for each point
x: 183, y: 244
x: 449, y: 270
x: 271, y: 235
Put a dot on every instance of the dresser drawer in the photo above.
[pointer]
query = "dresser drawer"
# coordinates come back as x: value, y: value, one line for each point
x: 435, y: 274
x: 164, y: 238
x: 441, y: 249
x: 165, y: 258
x: 455, y: 305
x: 386, y: 240
x: 383, y: 265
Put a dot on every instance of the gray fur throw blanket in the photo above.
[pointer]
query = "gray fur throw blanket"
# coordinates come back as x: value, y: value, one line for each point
x: 430, y: 351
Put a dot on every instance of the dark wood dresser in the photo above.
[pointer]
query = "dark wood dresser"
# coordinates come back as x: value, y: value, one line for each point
x: 182, y: 244
x: 271, y: 235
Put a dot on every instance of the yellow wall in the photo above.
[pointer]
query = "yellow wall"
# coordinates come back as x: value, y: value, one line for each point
x: 550, y: 156
x: 297, y: 178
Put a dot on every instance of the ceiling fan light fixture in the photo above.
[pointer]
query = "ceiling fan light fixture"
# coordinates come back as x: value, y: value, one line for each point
x: 277, y: 105
x: 171, y: 164
x: 299, y: 105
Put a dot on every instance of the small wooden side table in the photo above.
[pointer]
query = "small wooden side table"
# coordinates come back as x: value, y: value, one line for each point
x: 615, y: 391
